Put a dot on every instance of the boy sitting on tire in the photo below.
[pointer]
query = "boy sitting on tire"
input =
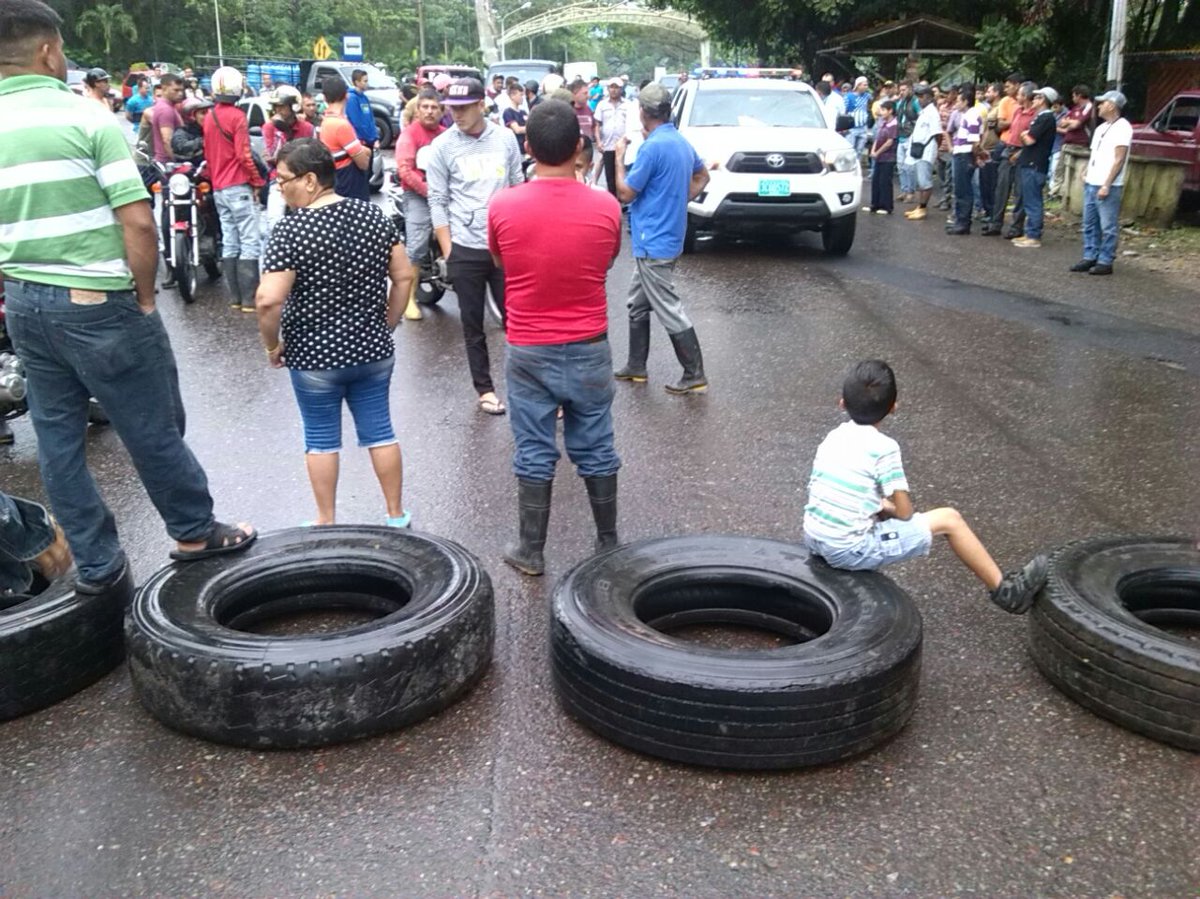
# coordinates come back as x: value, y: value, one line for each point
x: 859, y: 514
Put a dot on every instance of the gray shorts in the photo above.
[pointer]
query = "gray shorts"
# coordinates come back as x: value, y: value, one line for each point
x: 889, y: 541
x: 924, y: 172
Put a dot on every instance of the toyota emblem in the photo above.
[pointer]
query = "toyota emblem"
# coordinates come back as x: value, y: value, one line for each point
x: 775, y: 160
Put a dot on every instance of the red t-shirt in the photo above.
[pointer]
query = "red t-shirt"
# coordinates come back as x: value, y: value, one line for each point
x: 1021, y: 120
x: 555, y: 238
x: 1079, y: 135
x: 337, y: 134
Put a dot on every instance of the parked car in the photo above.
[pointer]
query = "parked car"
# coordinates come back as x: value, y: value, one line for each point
x: 426, y: 73
x: 521, y: 69
x: 776, y: 163
x: 1174, y: 133
x: 75, y: 83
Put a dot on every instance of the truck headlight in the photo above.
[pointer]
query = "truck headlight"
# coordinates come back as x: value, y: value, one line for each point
x: 841, y: 160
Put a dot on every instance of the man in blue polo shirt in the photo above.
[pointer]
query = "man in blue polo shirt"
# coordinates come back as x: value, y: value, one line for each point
x: 666, y: 174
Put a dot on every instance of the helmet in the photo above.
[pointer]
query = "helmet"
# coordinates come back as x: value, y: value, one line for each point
x: 286, y: 95
x: 95, y: 75
x: 551, y: 83
x: 227, y: 84
x: 192, y: 104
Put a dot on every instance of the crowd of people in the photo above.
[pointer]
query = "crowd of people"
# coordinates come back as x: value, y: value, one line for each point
x: 332, y: 279
x: 986, y: 146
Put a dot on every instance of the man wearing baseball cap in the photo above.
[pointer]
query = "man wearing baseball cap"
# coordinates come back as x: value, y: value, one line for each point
x: 468, y: 164
x: 610, y: 116
x: 1037, y: 143
x: 858, y: 107
x: 1103, y: 184
x: 665, y: 176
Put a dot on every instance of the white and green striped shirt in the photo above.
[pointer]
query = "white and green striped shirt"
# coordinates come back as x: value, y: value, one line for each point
x: 855, y: 468
x: 64, y: 168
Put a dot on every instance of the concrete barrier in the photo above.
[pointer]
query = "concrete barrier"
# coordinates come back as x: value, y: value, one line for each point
x: 1152, y: 187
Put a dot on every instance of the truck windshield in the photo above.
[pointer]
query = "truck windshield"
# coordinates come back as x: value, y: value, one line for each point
x: 766, y: 109
x: 529, y: 71
x: 377, y: 80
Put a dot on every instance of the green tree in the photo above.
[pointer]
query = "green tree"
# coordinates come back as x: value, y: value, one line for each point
x: 108, y: 20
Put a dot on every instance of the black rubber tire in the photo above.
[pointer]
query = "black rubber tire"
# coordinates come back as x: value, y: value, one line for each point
x: 837, y: 237
x: 57, y: 643
x: 829, y: 698
x: 185, y: 272
x: 212, y: 268
x: 428, y: 293
x: 1092, y: 633
x: 387, y: 136
x: 689, y: 237
x: 204, y: 678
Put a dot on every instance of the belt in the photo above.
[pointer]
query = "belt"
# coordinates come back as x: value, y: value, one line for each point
x: 599, y: 338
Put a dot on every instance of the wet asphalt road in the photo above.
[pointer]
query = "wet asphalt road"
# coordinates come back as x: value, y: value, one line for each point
x: 1045, y: 406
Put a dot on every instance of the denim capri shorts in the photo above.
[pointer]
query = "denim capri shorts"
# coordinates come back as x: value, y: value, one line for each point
x: 889, y: 541
x: 924, y: 172
x: 365, y: 388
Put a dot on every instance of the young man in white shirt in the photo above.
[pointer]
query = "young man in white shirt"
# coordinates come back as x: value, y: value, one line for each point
x: 1103, y: 184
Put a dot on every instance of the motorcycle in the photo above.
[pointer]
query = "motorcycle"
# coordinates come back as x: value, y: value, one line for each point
x: 432, y: 280
x: 193, y: 230
x: 13, y: 389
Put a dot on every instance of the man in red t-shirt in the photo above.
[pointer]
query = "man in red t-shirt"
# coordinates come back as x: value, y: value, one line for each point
x: 557, y: 327
x: 1022, y: 117
x: 418, y: 226
x: 235, y: 182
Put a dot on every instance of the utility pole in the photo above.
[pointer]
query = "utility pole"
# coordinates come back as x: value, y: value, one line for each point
x: 220, y: 48
x: 1116, y: 44
x: 421, y: 29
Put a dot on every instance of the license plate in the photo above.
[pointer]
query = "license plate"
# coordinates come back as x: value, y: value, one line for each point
x: 774, y: 187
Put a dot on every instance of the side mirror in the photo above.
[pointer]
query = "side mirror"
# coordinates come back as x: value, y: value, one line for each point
x: 844, y: 123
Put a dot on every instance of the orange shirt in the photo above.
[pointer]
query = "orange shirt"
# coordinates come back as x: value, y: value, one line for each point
x: 337, y: 134
x: 1006, y: 107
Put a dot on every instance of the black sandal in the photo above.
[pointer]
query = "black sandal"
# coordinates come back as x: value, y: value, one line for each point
x: 222, y: 539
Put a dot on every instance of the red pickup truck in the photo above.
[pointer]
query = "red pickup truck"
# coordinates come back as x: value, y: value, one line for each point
x: 1174, y: 133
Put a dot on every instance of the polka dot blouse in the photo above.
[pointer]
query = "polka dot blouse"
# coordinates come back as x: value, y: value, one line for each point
x: 336, y: 314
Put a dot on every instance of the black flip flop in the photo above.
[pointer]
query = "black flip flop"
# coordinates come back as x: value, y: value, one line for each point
x: 218, y: 543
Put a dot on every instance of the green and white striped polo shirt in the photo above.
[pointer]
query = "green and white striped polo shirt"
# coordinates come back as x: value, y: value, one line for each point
x: 64, y: 168
x: 856, y: 466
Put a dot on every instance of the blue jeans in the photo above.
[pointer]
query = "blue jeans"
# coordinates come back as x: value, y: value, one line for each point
x: 907, y: 180
x: 319, y: 394
x: 25, y: 533
x: 241, y: 231
x: 1101, y: 223
x: 577, y: 377
x: 1033, y: 183
x: 964, y: 192
x: 77, y: 344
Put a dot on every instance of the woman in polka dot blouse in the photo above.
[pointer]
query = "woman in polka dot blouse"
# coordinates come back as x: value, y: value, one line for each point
x: 326, y: 313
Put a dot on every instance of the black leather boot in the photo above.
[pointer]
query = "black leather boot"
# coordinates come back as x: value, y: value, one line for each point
x: 687, y: 351
x: 248, y: 276
x: 639, y: 349
x: 602, y: 494
x: 533, y: 517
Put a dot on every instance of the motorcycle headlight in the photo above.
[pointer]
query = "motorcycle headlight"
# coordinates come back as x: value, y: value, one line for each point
x: 841, y: 160
x: 179, y: 185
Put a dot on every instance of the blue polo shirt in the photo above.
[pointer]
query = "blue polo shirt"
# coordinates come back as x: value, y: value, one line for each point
x: 661, y: 175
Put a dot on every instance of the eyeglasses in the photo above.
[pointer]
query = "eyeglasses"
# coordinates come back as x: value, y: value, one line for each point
x: 283, y: 182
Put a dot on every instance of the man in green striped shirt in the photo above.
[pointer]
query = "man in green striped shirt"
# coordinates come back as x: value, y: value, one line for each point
x: 78, y: 254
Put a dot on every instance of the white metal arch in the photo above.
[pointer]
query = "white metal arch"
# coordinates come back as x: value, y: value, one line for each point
x: 591, y: 13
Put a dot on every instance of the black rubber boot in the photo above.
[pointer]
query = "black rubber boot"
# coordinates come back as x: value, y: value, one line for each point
x: 6, y: 433
x: 533, y: 517
x: 639, y: 349
x: 248, y: 276
x: 602, y: 494
x: 687, y: 351
x: 234, y: 280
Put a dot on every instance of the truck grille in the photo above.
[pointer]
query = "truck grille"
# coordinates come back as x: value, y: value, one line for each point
x: 793, y: 164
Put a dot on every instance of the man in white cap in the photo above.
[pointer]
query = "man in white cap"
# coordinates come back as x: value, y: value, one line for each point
x: 1103, y: 184
x: 1034, y: 163
x: 611, y: 117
